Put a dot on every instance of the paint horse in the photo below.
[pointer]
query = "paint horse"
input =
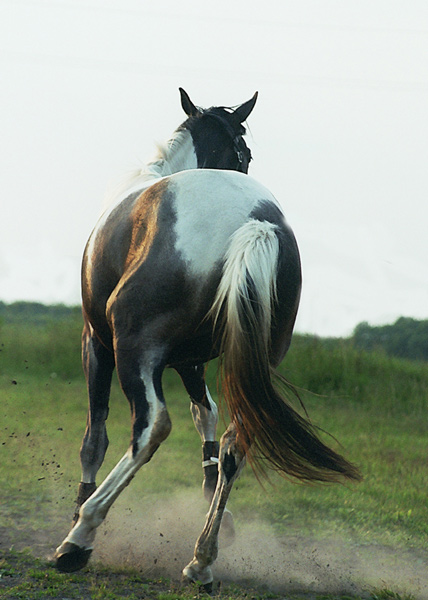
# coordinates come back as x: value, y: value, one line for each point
x: 195, y: 260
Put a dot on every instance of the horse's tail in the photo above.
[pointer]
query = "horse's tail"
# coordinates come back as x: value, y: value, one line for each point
x: 268, y: 427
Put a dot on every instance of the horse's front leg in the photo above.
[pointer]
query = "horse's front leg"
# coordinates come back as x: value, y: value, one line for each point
x: 232, y: 460
x: 98, y: 365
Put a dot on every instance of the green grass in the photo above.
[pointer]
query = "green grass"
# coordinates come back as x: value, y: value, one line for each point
x: 24, y: 577
x: 375, y: 406
x: 29, y: 578
x: 40, y: 350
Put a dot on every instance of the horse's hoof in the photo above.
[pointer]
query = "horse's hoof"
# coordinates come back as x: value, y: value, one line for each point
x: 203, y: 588
x: 202, y: 577
x: 207, y: 588
x: 72, y: 558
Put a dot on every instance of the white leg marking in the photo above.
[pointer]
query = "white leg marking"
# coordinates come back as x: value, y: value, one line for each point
x: 205, y: 420
x: 206, y: 549
x: 94, y: 510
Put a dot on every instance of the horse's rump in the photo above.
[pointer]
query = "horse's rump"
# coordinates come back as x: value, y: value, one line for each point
x: 167, y: 246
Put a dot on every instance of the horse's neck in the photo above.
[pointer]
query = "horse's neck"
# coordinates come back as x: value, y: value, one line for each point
x: 178, y: 154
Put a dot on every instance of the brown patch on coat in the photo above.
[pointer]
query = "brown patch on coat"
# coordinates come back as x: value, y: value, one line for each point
x: 144, y: 217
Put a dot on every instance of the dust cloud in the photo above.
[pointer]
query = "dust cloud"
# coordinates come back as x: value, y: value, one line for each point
x: 158, y: 538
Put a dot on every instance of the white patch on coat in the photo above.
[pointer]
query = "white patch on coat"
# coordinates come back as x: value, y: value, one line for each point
x: 205, y: 420
x: 210, y: 206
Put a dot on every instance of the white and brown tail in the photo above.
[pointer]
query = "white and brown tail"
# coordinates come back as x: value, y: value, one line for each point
x: 268, y: 427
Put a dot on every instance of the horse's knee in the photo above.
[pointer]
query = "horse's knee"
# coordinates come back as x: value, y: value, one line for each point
x: 153, y: 435
x: 205, y: 418
x: 161, y: 427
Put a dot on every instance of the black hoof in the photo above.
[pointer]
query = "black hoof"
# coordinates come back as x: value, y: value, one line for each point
x: 72, y: 558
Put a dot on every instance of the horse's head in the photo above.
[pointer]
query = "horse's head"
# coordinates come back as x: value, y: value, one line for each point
x: 217, y: 134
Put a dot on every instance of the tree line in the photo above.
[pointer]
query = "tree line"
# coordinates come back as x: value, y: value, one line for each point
x: 36, y: 313
x: 406, y: 338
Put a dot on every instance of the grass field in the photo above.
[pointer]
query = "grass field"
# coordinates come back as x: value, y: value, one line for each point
x: 375, y: 406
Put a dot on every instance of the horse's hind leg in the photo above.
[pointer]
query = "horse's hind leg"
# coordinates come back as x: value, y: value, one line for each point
x: 206, y: 549
x: 98, y: 365
x: 205, y: 417
x: 140, y: 377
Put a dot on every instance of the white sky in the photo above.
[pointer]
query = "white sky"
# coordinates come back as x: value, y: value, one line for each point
x: 339, y: 133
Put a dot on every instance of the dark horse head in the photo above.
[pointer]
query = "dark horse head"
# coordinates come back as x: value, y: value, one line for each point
x: 217, y: 134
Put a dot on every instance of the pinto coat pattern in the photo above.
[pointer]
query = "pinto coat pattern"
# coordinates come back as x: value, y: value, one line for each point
x: 193, y: 260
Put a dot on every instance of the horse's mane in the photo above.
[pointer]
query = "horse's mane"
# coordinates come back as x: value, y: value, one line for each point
x: 167, y: 160
x: 169, y: 155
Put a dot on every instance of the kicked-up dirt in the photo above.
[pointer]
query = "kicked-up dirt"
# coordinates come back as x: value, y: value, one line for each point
x: 158, y: 540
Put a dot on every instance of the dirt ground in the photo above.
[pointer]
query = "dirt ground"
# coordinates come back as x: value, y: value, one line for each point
x: 161, y: 542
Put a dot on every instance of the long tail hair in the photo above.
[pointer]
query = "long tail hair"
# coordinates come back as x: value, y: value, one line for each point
x: 267, y: 425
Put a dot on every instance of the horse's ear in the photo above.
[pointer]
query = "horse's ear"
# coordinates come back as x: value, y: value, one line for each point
x: 188, y: 106
x: 243, y: 111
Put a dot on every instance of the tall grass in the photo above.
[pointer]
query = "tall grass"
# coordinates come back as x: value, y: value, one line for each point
x: 374, y: 405
x: 48, y: 348
x: 373, y: 380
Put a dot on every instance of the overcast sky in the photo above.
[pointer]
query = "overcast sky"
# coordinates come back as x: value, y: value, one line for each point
x: 339, y: 133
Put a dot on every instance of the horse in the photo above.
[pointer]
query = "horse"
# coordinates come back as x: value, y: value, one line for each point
x: 193, y: 260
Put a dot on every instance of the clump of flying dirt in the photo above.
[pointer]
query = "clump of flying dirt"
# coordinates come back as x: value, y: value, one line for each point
x: 158, y: 538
